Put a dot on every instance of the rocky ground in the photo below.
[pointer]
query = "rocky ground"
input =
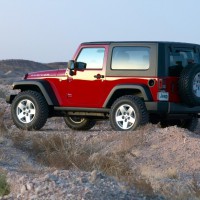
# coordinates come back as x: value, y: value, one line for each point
x: 30, y: 180
x: 150, y: 163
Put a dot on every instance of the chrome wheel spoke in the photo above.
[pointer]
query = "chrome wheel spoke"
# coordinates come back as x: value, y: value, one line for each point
x: 122, y: 109
x: 32, y: 111
x: 21, y: 116
x: 132, y: 120
x: 119, y: 118
x: 28, y: 119
x: 125, y: 125
x: 21, y: 106
x: 130, y: 111
x: 29, y: 104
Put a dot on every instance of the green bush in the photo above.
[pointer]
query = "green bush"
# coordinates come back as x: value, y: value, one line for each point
x: 4, y: 187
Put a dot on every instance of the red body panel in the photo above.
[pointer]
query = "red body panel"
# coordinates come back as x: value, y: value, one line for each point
x: 84, y: 90
x: 172, y: 88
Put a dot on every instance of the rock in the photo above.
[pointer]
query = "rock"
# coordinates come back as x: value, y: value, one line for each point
x: 55, y: 172
x: 84, y: 180
x: 23, y: 189
x: 29, y: 186
x: 38, y: 189
x: 93, y: 176
x: 21, y: 179
x: 33, y: 197
x: 51, y: 177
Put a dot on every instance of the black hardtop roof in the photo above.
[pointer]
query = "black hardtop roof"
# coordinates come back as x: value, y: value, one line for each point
x: 153, y: 42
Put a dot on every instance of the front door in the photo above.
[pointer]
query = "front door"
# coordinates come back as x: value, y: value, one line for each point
x: 86, y: 88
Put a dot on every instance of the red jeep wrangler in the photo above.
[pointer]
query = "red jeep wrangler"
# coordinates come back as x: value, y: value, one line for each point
x: 131, y: 83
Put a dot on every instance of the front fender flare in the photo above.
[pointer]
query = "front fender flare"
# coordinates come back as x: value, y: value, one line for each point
x: 42, y: 85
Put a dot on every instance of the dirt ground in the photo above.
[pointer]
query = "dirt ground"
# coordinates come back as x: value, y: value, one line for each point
x: 159, y: 161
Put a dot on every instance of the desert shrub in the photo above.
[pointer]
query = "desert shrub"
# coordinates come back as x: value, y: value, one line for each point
x: 60, y: 152
x: 4, y: 187
x: 55, y: 150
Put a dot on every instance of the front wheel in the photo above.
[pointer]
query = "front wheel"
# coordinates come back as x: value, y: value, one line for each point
x: 29, y: 110
x: 127, y: 113
x: 79, y: 123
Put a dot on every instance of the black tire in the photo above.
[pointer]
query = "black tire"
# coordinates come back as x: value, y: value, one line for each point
x: 79, y: 123
x: 29, y: 110
x: 190, y: 124
x: 189, y: 85
x: 128, y: 113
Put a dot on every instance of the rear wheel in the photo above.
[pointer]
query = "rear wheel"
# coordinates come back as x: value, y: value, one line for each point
x: 127, y: 113
x: 79, y: 123
x: 190, y: 123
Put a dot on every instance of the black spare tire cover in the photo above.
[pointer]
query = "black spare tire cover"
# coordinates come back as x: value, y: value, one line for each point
x: 189, y: 85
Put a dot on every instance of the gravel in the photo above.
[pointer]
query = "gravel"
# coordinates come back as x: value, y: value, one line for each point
x: 68, y: 184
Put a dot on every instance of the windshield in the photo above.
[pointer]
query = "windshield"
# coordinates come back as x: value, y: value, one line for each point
x: 180, y: 58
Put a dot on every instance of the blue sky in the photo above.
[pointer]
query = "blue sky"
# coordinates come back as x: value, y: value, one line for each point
x: 51, y: 30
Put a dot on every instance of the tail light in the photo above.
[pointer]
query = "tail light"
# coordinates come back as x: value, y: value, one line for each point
x: 162, y: 94
x: 162, y: 84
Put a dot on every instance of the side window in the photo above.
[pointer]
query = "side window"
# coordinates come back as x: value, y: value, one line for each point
x: 93, y: 57
x: 130, y: 58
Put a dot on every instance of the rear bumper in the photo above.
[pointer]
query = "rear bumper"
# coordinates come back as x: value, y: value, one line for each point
x: 171, y: 108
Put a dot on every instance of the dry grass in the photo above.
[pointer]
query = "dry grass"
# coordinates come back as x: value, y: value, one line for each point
x: 195, y: 186
x: 3, y: 129
x: 55, y: 150
x: 66, y: 152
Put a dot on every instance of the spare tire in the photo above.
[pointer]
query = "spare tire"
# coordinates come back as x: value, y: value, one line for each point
x: 189, y: 85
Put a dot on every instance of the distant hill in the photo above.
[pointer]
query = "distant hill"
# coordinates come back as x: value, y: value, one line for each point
x: 14, y: 68
x: 56, y: 65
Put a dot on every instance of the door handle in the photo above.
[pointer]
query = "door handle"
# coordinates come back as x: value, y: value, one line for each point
x: 98, y: 76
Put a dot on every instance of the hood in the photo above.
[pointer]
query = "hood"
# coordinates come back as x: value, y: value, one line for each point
x: 46, y: 73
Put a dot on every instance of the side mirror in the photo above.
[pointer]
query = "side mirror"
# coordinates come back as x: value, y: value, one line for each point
x: 75, y: 66
x: 71, y: 67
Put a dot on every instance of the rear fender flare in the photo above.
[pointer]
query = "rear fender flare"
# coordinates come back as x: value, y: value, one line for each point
x: 146, y: 94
